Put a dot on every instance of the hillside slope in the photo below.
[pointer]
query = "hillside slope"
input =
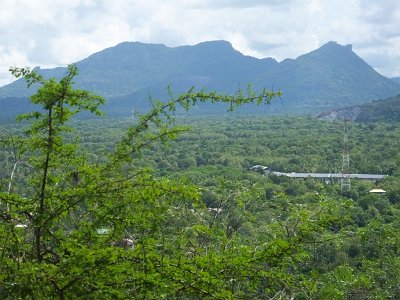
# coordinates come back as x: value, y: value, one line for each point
x: 396, y: 79
x: 387, y: 110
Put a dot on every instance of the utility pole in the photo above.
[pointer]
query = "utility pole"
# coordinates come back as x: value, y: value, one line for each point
x: 345, y: 181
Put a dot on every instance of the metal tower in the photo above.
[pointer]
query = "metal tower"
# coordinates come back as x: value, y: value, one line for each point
x: 345, y: 181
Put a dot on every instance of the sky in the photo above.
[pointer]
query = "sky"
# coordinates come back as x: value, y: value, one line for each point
x: 50, y: 33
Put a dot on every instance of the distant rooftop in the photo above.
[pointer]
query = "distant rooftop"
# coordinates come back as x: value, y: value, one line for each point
x: 320, y: 175
x: 331, y: 175
x: 378, y: 191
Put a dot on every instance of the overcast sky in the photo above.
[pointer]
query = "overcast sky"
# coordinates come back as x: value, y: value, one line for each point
x: 51, y: 33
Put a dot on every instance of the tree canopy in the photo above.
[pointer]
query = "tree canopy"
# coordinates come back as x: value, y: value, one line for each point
x: 111, y: 217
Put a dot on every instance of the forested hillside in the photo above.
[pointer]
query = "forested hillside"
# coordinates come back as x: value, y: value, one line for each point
x: 387, y: 110
x: 164, y: 207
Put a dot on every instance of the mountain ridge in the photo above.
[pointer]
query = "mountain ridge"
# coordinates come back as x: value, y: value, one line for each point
x: 128, y: 72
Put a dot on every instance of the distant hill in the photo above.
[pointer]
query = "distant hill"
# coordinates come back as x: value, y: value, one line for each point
x: 128, y: 73
x: 387, y: 110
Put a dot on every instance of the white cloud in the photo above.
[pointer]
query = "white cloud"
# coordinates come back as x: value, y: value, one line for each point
x: 14, y: 55
x: 50, y: 33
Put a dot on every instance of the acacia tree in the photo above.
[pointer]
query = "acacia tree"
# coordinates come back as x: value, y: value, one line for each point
x: 80, y: 228
x: 61, y: 226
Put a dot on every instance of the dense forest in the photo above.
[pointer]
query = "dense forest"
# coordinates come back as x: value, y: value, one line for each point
x: 166, y: 207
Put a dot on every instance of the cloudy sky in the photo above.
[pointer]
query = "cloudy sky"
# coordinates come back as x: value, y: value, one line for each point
x: 50, y: 33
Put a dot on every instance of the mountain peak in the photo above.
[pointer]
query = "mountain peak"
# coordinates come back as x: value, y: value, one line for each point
x: 331, y: 51
x: 138, y: 45
x: 219, y: 43
x: 216, y: 46
x: 124, y: 47
x: 335, y: 45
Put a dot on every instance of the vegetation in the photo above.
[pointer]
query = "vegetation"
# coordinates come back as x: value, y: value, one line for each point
x: 387, y: 110
x: 148, y: 209
x: 381, y: 111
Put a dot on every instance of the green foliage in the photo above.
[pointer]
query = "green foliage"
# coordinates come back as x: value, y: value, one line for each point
x: 380, y: 111
x: 76, y: 228
x: 148, y: 209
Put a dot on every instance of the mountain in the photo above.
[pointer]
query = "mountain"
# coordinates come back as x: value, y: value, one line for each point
x: 328, y: 77
x: 128, y: 73
x: 387, y: 110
